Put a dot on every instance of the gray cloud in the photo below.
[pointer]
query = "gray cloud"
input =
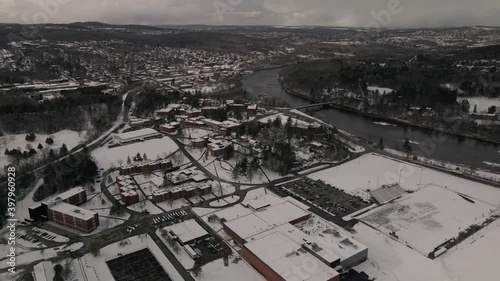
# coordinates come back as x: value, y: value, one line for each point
x: 405, y: 13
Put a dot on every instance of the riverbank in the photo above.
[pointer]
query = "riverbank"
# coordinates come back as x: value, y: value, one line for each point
x: 398, y: 121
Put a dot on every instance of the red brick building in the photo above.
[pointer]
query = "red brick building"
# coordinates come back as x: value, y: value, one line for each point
x: 130, y: 197
x: 252, y: 110
x: 145, y: 166
x: 73, y: 217
x: 76, y: 196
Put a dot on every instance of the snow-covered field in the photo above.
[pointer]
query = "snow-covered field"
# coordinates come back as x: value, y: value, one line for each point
x: 108, y: 157
x: 482, y: 103
x: 359, y: 175
x: 224, y: 169
x: 145, y: 205
x: 429, y: 217
x: 425, y: 218
x: 475, y: 258
x: 225, y: 201
x: 68, y: 137
x: 284, y: 118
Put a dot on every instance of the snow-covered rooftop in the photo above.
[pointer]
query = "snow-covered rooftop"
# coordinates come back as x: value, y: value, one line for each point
x: 187, y: 231
x: 67, y: 194
x: 269, y: 218
x: 289, y: 259
x: 137, y: 134
x: 73, y: 211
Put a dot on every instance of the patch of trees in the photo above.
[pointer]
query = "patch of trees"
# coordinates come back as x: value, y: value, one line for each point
x: 424, y: 96
x: 245, y: 167
x: 75, y: 170
x: 150, y: 100
x: 280, y: 158
x: 219, y: 114
x: 19, y: 102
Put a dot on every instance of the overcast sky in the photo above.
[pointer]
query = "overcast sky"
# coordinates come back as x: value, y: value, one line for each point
x: 361, y: 13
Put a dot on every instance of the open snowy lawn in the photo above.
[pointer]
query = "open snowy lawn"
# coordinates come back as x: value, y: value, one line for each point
x: 359, y: 175
x: 284, y: 119
x: 108, y: 157
x: 427, y: 218
x: 225, y: 201
x: 22, y: 211
x: 482, y: 103
x: 68, y: 137
x: 195, y: 133
x: 173, y: 204
x: 145, y: 205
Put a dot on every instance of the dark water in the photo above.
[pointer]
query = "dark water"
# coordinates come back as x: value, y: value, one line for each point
x: 442, y: 147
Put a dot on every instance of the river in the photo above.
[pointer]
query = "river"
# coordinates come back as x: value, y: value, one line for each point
x: 450, y: 148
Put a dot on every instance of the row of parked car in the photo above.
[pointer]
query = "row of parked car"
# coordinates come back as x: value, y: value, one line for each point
x: 170, y: 219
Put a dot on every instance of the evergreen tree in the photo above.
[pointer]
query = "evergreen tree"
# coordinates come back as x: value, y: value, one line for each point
x: 40, y: 146
x: 407, y: 146
x: 52, y: 154
x: 129, y: 161
x: 244, y: 164
x: 63, y: 150
x: 277, y: 122
x: 49, y: 141
x: 381, y: 143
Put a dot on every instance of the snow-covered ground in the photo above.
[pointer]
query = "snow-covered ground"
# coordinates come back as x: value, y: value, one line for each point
x: 284, y: 119
x: 172, y: 205
x: 57, y: 238
x: 389, y: 260
x: 482, y: 103
x: 475, y: 258
x: 22, y: 211
x: 429, y: 217
x: 223, y: 169
x: 225, y: 201
x: 195, y: 133
x: 68, y: 137
x: 368, y: 171
x: 154, y: 148
x: 145, y: 205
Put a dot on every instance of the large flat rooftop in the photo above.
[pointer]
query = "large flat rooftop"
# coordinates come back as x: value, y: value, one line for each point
x: 288, y: 259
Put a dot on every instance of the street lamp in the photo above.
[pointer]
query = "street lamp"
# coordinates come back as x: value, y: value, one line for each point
x: 400, y: 175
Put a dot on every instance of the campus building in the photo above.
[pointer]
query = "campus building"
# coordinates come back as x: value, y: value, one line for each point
x: 74, y: 217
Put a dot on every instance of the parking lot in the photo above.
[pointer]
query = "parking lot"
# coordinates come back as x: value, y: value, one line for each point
x: 137, y: 266
x: 324, y: 196
x: 209, y: 248
x: 170, y: 218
